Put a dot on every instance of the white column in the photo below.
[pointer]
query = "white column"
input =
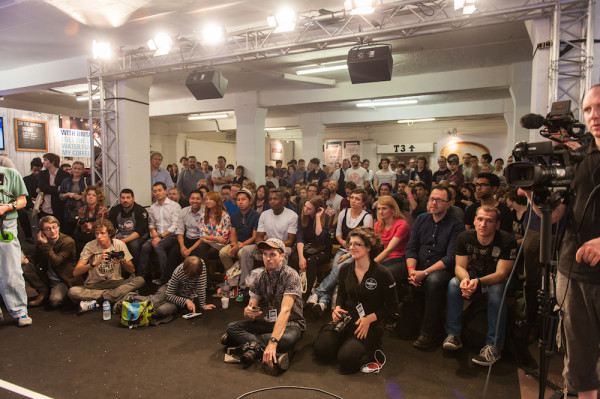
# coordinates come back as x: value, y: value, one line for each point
x: 539, y: 32
x: 312, y: 136
x: 134, y: 137
x: 520, y: 93
x: 250, y: 136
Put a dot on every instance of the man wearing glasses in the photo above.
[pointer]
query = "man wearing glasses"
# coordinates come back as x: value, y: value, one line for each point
x: 486, y: 187
x: 430, y: 254
x: 52, y: 266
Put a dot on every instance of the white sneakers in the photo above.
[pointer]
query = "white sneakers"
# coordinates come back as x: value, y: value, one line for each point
x: 312, y: 299
x: 24, y: 321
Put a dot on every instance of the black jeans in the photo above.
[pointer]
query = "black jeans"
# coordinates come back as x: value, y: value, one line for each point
x: 243, y: 331
x: 312, y: 264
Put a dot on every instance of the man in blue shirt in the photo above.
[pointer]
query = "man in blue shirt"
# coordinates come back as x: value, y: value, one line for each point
x: 159, y: 174
x: 430, y: 257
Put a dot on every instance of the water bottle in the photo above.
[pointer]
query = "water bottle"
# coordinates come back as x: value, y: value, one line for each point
x: 106, y: 315
x: 225, y: 288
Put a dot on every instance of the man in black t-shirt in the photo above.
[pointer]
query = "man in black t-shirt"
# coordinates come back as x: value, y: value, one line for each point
x: 486, y: 187
x: 484, y: 258
x: 131, y: 223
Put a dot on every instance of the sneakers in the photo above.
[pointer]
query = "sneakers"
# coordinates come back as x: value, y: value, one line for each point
x: 452, y: 343
x: 240, y: 297
x: 283, y: 363
x: 318, y: 309
x: 84, y: 306
x: 488, y: 356
x: 423, y: 342
x: 157, y: 281
x: 24, y: 321
x: 313, y: 299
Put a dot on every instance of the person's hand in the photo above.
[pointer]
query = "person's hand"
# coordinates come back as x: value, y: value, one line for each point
x: 319, y: 212
x: 250, y: 313
x: 270, y: 354
x: 41, y: 238
x: 100, y: 259
x: 190, y: 305
x: 302, y: 263
x: 186, y: 252
x: 408, y: 190
x: 363, y: 328
x: 209, y: 307
x: 88, y: 227
x: 344, y: 244
x: 589, y: 252
x: 155, y: 241
x: 343, y: 258
x: 336, y: 315
x: 233, y: 250
x: 416, y: 277
x: 468, y: 287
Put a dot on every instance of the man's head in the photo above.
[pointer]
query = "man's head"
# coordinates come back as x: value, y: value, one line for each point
x: 440, y: 201
x: 499, y: 163
x: 355, y: 161
x: 411, y: 163
x: 486, y: 186
x: 467, y: 159
x: 36, y: 165
x: 127, y: 198
x: 156, y: 159
x: 66, y: 167
x: 453, y: 162
x: 345, y: 164
x: 393, y: 163
x: 421, y: 162
x: 205, y: 165
x: 104, y: 231
x: 474, y: 160
x: 244, y: 199
x: 301, y: 165
x: 441, y: 162
x: 184, y: 162
x: 385, y: 163
x: 276, y: 200
x: 174, y: 194
x: 192, y: 163
x: 333, y: 186
x: 50, y: 227
x: 315, y: 163
x: 195, y: 200
x: 591, y: 111
x: 485, y: 168
x: 273, y: 251
x: 159, y: 191
x: 226, y: 192
x: 193, y: 267
x: 487, y: 221
x: 278, y: 164
x: 51, y: 160
x: 366, y: 163
x: 235, y: 187
x: 221, y: 162
x: 312, y: 189
x: 421, y: 190
x: 486, y: 159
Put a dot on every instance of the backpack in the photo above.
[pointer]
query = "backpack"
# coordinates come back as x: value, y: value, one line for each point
x: 136, y: 314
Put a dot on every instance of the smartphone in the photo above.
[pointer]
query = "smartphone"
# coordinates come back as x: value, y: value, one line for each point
x: 191, y: 315
x: 255, y: 308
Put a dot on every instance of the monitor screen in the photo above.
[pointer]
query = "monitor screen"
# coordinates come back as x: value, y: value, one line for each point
x: 1, y: 134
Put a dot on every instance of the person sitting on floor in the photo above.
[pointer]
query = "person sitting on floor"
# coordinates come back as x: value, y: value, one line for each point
x: 484, y: 258
x: 366, y: 296
x: 103, y: 259
x: 52, y: 264
x: 276, y: 290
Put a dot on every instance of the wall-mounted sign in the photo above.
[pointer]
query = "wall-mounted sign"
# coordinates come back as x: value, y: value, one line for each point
x: 351, y: 148
x: 333, y: 152
x: 75, y: 143
x: 401, y: 148
x: 31, y: 135
x: 276, y: 150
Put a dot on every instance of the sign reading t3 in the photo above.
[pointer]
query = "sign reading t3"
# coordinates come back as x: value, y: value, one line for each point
x: 404, y: 148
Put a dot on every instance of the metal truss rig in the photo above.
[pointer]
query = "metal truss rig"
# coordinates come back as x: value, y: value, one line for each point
x: 324, y: 30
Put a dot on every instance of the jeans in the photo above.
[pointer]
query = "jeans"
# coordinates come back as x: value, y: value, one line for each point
x: 12, y: 283
x: 325, y: 290
x: 113, y: 290
x: 160, y: 250
x: 454, y: 308
x: 243, y: 331
x: 40, y: 281
x: 435, y: 295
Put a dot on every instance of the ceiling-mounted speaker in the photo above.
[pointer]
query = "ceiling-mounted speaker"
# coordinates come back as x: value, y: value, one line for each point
x: 370, y: 63
x: 206, y: 84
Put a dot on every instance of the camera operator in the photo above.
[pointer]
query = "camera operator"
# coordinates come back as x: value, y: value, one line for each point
x: 12, y: 284
x: 578, y: 285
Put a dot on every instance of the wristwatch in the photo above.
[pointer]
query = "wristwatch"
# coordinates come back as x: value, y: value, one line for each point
x: 160, y: 236
x: 426, y: 273
x: 273, y: 339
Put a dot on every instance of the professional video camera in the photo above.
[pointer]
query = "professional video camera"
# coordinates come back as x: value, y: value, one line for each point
x: 542, y: 164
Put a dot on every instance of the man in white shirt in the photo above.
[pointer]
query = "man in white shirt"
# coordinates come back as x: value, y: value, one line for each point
x: 365, y: 164
x: 163, y: 226
x: 384, y: 175
x: 357, y: 173
x: 278, y: 222
x: 221, y: 175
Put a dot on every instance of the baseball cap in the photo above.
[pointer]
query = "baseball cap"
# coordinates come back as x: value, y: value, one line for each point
x: 245, y: 191
x: 272, y: 243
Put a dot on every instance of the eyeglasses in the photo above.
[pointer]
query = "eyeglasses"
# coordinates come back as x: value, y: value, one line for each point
x: 437, y: 200
x: 483, y: 185
x: 355, y: 244
x: 50, y: 228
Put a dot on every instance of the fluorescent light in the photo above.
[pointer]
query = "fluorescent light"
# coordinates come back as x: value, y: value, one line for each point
x: 86, y: 98
x: 283, y: 21
x: 216, y: 115
x: 386, y: 102
x: 458, y: 4
x: 416, y: 120
x: 273, y: 129
x: 359, y: 7
x: 213, y: 34
x: 101, y: 50
x: 322, y: 69
x: 161, y: 44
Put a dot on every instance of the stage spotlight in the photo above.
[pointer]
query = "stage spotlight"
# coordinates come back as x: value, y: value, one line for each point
x: 101, y: 50
x: 213, y: 34
x: 283, y: 21
x: 161, y: 44
x: 360, y: 7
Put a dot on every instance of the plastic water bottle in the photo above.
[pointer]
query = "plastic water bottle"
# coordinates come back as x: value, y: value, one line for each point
x: 225, y: 288
x: 106, y: 315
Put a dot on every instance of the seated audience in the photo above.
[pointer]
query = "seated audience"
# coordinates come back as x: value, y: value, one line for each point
x: 486, y: 187
x: 228, y: 194
x: 239, y: 176
x: 131, y: 222
x: 187, y: 231
x: 261, y: 202
x: 215, y: 227
x: 94, y: 209
x: 175, y: 195
x: 271, y: 176
x: 417, y: 198
x: 454, y: 174
x: 367, y: 295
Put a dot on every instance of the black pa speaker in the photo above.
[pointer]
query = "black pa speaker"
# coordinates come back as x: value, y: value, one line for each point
x: 370, y: 64
x: 206, y: 84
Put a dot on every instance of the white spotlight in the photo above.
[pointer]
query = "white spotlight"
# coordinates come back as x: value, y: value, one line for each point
x: 283, y: 21
x: 161, y: 44
x: 213, y: 34
x: 101, y: 50
x: 360, y: 7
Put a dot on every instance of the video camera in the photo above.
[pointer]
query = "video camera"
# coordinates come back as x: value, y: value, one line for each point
x: 542, y: 164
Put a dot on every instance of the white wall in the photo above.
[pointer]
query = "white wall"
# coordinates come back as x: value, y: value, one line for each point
x: 210, y: 150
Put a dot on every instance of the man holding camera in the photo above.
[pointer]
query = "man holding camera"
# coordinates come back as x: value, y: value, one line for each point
x: 102, y: 259
x: 279, y: 292
x: 578, y: 284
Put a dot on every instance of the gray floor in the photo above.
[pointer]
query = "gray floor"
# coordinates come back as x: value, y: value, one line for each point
x: 66, y: 356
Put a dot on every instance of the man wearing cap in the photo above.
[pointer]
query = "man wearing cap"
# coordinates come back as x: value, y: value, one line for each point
x: 273, y: 318
x: 485, y: 189
x: 243, y: 229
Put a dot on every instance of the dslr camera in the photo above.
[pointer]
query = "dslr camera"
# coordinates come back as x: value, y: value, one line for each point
x: 542, y: 164
x: 341, y: 326
x: 116, y: 255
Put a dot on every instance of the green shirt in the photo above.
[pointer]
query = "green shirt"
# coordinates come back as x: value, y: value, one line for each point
x: 14, y: 184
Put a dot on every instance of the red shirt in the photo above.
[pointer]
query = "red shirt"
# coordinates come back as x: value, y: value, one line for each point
x: 400, y: 229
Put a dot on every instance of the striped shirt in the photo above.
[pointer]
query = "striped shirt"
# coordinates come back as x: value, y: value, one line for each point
x: 180, y: 288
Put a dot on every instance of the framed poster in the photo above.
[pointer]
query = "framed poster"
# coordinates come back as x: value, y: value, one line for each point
x: 31, y: 135
x: 2, y: 147
x: 333, y: 152
x: 276, y: 150
x: 351, y: 148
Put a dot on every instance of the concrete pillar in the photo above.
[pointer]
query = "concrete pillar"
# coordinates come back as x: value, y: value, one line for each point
x: 250, y: 136
x: 134, y: 137
x: 312, y: 136
x: 539, y: 32
x: 520, y: 93
x: 369, y: 151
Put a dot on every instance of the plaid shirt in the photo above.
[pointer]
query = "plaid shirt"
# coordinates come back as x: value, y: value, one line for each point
x: 269, y: 289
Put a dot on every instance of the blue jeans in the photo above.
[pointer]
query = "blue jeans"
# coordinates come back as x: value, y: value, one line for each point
x: 454, y: 308
x: 325, y: 290
x: 12, y: 283
x: 243, y: 331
